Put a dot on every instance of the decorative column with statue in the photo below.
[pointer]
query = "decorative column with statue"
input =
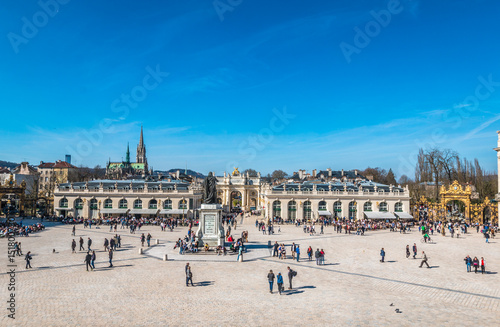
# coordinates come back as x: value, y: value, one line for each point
x: 210, y: 230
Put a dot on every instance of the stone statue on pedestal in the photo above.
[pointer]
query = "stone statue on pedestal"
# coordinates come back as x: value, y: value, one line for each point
x: 210, y: 189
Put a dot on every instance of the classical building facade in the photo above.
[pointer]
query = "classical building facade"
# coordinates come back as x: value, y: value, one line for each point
x: 310, y: 201
x: 53, y: 173
x: 239, y: 191
x: 119, y: 170
x: 117, y: 198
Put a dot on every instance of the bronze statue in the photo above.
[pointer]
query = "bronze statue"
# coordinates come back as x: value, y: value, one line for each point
x: 210, y: 189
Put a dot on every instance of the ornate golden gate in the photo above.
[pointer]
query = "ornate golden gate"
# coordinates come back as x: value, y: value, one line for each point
x: 486, y: 212
x: 11, y: 187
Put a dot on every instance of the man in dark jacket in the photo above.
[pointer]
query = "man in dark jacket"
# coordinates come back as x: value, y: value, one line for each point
x: 317, y: 255
x: 81, y: 245
x: 291, y: 274
x: 270, y: 278
x: 89, y: 243
x: 87, y: 260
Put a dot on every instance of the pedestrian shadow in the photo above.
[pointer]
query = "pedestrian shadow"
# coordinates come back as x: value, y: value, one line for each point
x: 331, y: 264
x: 434, y: 267
x: 491, y: 272
x: 204, y: 283
x: 392, y: 261
x: 310, y: 286
x: 111, y: 268
x: 292, y: 292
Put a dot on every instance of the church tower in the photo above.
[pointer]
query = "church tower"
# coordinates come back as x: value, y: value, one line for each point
x: 127, y: 155
x: 141, y: 152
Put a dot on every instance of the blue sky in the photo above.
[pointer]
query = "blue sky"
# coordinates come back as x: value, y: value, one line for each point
x: 254, y: 84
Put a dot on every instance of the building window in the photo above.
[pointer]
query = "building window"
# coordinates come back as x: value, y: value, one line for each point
x: 183, y: 204
x: 138, y: 204
x: 352, y: 210
x: 167, y: 204
x: 123, y: 204
x: 398, y: 207
x: 322, y: 206
x: 153, y: 204
x: 78, y: 204
x: 367, y: 206
x: 337, y: 209
x: 108, y: 204
x: 292, y: 210
x: 307, y: 210
x: 276, y: 208
x: 383, y: 206
x: 93, y: 204
x: 63, y: 203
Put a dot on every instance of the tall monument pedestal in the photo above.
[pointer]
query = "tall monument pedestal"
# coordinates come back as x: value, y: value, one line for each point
x: 210, y: 230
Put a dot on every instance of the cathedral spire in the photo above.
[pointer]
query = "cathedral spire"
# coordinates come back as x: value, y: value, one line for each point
x: 127, y: 157
x: 141, y: 140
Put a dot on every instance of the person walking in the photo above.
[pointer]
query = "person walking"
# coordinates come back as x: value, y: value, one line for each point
x: 297, y: 252
x: 189, y: 275
x: 414, y: 250
x: 407, y: 251
x: 270, y: 278
x: 292, y: 249
x: 28, y: 259
x: 143, y: 239
x: 92, y: 260
x: 73, y: 246
x: 291, y: 274
x: 81, y: 245
x: 482, y: 265
x: 279, y: 279
x: 487, y: 235
x: 424, y: 260
x: 148, y: 239
x: 87, y: 260
x: 475, y: 263
x: 468, y: 262
x: 382, y: 254
x: 275, y: 249
x: 106, y: 243
x: 322, y: 257
x: 74, y: 230
x: 310, y: 253
x: 110, y: 254
x: 317, y: 256
x: 89, y: 243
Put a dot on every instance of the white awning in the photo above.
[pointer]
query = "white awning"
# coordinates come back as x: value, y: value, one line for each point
x: 379, y: 215
x: 143, y: 211
x: 174, y: 211
x: 324, y: 213
x: 403, y: 215
x: 118, y: 211
x: 63, y: 209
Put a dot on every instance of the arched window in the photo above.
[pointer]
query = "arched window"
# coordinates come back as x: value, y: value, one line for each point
x: 93, y: 204
x: 153, y: 204
x: 367, y: 206
x: 78, y: 204
x: 398, y: 207
x: 167, y: 204
x: 63, y: 203
x: 123, y: 204
x: 138, y: 204
x: 307, y: 210
x: 277, y: 208
x: 108, y: 204
x: 352, y: 210
x: 322, y: 206
x: 337, y: 209
x: 292, y: 210
x: 383, y: 206
x: 183, y: 204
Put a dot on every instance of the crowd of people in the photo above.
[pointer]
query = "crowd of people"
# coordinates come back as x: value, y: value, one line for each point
x: 18, y: 229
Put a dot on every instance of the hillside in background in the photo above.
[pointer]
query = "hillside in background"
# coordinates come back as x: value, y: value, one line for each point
x: 8, y: 164
x: 189, y: 172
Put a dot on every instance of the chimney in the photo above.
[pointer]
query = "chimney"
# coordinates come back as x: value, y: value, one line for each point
x: 314, y: 172
x: 356, y: 172
x: 329, y: 172
x: 342, y: 173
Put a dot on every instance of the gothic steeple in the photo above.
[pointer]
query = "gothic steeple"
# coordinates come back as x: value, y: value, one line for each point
x: 141, y: 151
x: 127, y: 157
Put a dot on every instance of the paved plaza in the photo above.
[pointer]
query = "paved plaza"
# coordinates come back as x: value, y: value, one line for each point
x: 352, y: 288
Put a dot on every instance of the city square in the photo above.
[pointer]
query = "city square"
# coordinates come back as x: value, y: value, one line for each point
x: 255, y: 163
x: 352, y: 287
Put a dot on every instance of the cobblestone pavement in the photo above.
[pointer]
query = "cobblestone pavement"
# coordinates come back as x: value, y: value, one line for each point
x: 353, y: 287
